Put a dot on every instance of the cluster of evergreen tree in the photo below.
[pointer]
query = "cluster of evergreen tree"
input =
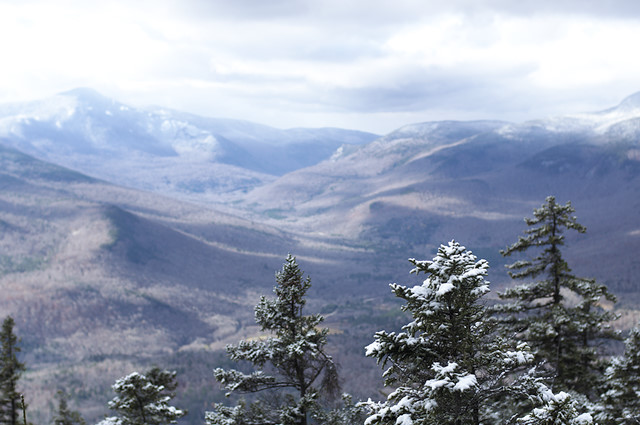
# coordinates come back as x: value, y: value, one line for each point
x: 535, y: 357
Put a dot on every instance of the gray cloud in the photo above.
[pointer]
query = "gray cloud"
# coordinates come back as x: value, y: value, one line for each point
x: 380, y: 13
x: 597, y: 8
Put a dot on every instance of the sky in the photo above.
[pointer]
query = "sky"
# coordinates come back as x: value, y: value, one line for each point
x: 369, y: 65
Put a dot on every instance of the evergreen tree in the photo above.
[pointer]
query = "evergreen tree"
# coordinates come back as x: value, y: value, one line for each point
x: 144, y: 399
x: 294, y: 353
x: 11, y: 368
x: 447, y: 365
x: 65, y: 416
x: 564, y: 336
x: 620, y: 402
x: 556, y: 409
x: 164, y: 378
x: 349, y: 413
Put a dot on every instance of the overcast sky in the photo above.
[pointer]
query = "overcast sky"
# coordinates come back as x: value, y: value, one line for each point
x: 364, y: 64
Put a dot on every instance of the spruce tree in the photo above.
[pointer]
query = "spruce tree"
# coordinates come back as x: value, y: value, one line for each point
x: 556, y: 409
x: 64, y: 415
x: 164, y: 378
x: 292, y: 363
x: 620, y: 401
x: 563, y: 334
x: 447, y: 366
x: 143, y: 399
x: 349, y: 413
x: 11, y: 368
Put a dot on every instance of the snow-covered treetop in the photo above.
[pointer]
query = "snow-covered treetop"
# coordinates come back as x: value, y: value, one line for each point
x: 143, y: 399
x: 453, y: 272
x: 294, y: 354
x: 545, y: 230
x: 447, y: 319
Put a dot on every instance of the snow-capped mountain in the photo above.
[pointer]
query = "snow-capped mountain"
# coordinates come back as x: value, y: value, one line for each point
x: 611, y: 120
x: 162, y: 150
x: 430, y: 182
x: 454, y: 149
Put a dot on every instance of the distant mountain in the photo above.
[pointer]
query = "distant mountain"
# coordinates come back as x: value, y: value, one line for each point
x: 427, y: 183
x: 163, y: 150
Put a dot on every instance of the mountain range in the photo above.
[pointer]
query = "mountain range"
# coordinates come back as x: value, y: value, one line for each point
x: 130, y: 236
x: 159, y: 149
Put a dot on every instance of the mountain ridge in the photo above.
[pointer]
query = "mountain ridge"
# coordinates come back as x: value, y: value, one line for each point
x: 413, y: 188
x: 161, y: 149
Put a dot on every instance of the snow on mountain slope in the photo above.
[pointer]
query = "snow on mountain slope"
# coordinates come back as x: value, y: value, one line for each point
x: 600, y: 122
x: 430, y: 182
x: 162, y: 150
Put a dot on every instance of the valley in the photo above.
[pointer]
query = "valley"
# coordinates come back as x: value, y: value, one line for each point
x: 136, y: 237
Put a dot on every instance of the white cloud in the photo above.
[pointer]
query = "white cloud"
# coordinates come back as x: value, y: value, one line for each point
x: 372, y: 63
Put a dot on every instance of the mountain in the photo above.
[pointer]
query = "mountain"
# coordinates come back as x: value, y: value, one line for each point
x: 474, y: 181
x: 158, y: 149
x: 104, y: 279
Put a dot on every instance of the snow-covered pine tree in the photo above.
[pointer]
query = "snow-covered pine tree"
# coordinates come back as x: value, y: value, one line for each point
x: 294, y: 353
x: 620, y: 401
x: 143, y: 399
x: 564, y: 335
x: 556, y: 409
x: 447, y: 365
x: 11, y: 368
x: 348, y: 413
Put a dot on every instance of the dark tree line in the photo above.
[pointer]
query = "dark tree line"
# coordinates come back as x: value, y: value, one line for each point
x: 548, y: 333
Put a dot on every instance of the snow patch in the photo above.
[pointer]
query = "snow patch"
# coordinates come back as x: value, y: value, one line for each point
x: 337, y: 154
x: 437, y: 383
x: 404, y: 420
x: 422, y: 290
x: 445, y: 288
x: 449, y: 368
x: 466, y: 382
x: 585, y: 418
x: 372, y: 348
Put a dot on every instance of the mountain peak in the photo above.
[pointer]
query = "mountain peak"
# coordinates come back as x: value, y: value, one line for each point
x: 88, y: 95
x: 630, y: 102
